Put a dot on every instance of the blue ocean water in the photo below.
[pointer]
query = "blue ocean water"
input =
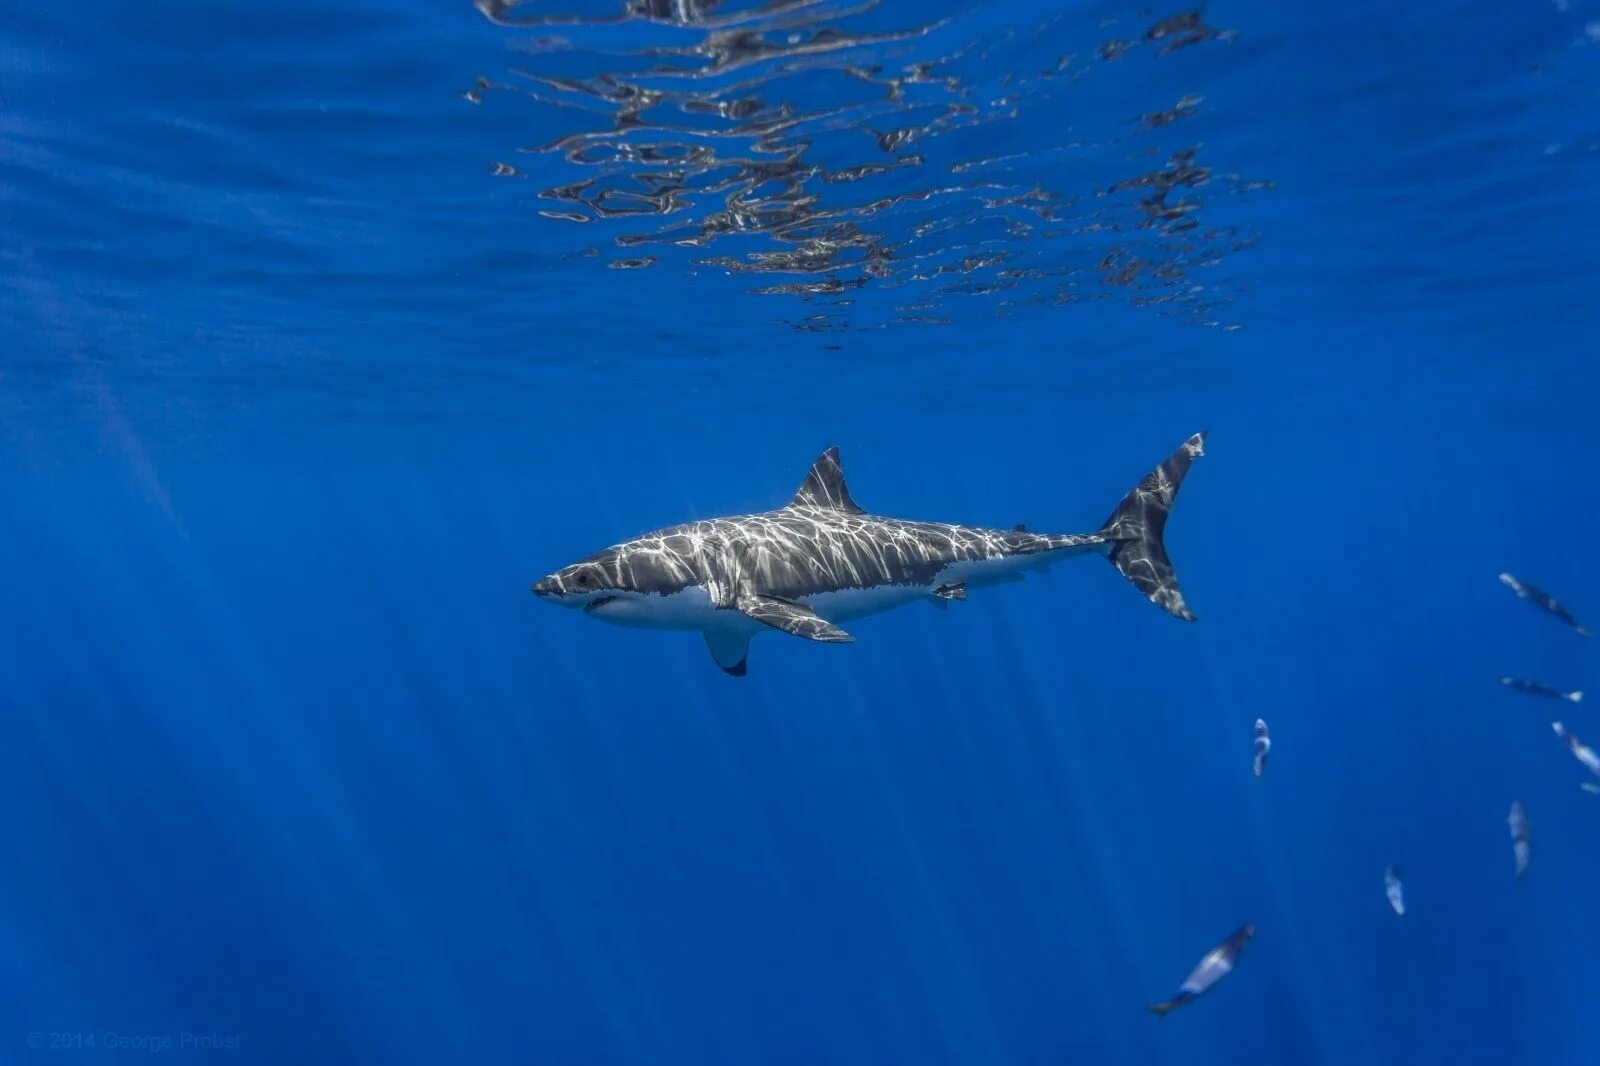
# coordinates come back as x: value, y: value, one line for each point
x: 325, y: 328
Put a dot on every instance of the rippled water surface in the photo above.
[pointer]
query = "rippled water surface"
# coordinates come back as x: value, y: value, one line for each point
x: 818, y: 149
x: 326, y: 328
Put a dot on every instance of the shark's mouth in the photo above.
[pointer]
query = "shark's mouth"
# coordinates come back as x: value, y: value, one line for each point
x: 597, y: 603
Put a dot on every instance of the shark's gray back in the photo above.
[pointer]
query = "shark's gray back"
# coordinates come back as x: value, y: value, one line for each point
x: 799, y: 551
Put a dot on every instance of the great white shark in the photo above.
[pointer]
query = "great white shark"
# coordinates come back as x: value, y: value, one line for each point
x: 822, y: 560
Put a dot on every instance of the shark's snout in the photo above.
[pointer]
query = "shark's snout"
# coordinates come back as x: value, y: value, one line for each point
x: 547, y: 587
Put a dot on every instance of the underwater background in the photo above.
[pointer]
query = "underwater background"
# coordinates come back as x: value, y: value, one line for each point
x: 326, y: 328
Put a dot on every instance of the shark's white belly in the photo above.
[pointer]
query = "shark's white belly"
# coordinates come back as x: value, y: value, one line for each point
x: 845, y: 604
x: 691, y: 608
x: 688, y: 608
x: 977, y: 573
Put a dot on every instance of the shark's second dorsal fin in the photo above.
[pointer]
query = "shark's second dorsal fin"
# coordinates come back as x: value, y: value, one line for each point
x: 824, y: 487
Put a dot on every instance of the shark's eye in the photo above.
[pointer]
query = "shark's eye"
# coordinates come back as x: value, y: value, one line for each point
x: 583, y: 579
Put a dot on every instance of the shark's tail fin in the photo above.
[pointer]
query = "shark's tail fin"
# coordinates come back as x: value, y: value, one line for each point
x: 1135, y: 527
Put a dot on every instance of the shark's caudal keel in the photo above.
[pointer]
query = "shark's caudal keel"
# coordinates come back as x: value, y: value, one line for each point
x: 823, y: 560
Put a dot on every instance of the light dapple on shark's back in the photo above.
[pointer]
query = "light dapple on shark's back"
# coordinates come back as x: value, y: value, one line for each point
x: 823, y: 560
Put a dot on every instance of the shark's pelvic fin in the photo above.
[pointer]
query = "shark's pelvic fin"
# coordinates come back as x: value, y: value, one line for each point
x: 957, y: 591
x: 1135, y: 530
x: 792, y: 618
x: 824, y: 486
x: 730, y: 648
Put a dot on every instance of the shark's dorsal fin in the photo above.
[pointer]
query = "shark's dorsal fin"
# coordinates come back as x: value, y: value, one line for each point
x: 824, y: 487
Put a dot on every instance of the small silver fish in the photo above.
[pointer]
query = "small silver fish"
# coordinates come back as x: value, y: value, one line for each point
x: 1217, y: 964
x: 1536, y: 595
x: 1393, y: 889
x: 1521, y: 839
x: 1263, y: 745
x: 1534, y: 688
x: 1580, y: 751
x: 1590, y: 787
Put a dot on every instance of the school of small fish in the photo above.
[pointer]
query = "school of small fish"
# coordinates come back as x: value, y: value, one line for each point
x: 1220, y: 961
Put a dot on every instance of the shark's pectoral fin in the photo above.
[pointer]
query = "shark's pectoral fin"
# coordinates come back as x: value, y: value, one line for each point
x: 730, y: 648
x: 792, y: 618
x: 955, y: 591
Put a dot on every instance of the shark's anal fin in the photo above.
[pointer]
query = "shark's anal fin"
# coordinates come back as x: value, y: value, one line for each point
x: 792, y: 618
x: 730, y: 648
x: 956, y: 591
